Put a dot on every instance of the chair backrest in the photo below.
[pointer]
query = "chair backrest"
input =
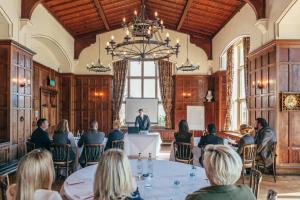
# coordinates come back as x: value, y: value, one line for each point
x: 60, y: 152
x: 255, y: 180
x: 273, y: 148
x: 249, y: 154
x: 182, y: 151
x: 29, y: 146
x: 4, y: 183
x: 272, y: 195
x: 118, y: 144
x: 93, y: 152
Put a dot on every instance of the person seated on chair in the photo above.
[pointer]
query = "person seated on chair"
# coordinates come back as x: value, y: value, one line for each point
x: 245, y: 130
x: 92, y: 136
x: 142, y: 121
x: 265, y: 137
x: 223, y: 168
x: 62, y: 135
x: 184, y: 135
x: 116, y: 134
x: 114, y: 179
x: 40, y: 137
x: 209, y: 138
x: 34, y: 178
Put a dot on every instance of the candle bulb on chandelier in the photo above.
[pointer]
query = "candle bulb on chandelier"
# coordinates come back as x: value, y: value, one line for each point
x: 124, y: 19
x: 107, y: 44
x: 161, y: 22
x: 127, y: 32
x: 155, y: 14
x: 112, y: 38
x: 177, y: 41
x: 167, y: 35
x: 135, y: 13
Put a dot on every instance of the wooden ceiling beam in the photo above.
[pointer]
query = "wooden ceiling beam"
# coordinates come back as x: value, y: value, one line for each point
x: 27, y: 7
x: 101, y: 14
x: 184, y: 13
x: 259, y: 7
x: 203, y: 43
x: 83, y: 42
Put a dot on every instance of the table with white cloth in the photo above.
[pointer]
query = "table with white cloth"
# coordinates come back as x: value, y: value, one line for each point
x: 142, y: 143
x: 196, y: 152
x: 79, y: 185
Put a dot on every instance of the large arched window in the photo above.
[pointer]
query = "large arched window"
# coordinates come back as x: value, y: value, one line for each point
x: 239, y: 108
x: 143, y: 82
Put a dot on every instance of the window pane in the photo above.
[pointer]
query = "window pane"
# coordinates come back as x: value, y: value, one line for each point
x: 241, y: 54
x: 158, y: 91
x: 135, y: 68
x: 122, y: 115
x: 243, y: 112
x: 242, y: 84
x: 224, y: 61
x: 161, y: 115
x: 234, y: 116
x: 149, y: 69
x: 135, y: 88
x: 235, y: 57
x: 149, y: 88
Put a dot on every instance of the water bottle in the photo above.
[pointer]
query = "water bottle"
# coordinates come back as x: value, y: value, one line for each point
x: 150, y: 166
x: 78, y: 134
x: 139, y: 166
x: 192, y: 173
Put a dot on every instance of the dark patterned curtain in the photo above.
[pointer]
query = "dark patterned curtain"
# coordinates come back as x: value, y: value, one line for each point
x: 166, y: 89
x: 229, y: 85
x: 246, y: 46
x: 119, y: 79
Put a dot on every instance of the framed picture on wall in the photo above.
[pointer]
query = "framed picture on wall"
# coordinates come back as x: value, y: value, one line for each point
x: 290, y: 101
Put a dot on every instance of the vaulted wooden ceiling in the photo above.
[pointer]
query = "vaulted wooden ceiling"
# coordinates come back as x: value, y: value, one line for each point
x: 84, y: 19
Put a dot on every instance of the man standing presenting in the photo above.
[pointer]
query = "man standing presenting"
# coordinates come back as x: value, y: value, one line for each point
x: 142, y: 121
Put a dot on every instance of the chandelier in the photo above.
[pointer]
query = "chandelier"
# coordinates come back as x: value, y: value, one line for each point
x: 98, y: 67
x: 187, y: 65
x: 139, y: 43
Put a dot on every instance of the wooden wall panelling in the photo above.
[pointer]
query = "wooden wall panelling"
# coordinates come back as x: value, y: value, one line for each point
x: 277, y: 64
x: 196, y: 86
x: 43, y: 93
x: 93, y: 101
x: 67, y: 99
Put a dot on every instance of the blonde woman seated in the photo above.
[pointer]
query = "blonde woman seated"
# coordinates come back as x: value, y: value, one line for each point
x: 247, y: 138
x: 62, y: 135
x: 223, y: 168
x: 35, y: 176
x: 113, y: 178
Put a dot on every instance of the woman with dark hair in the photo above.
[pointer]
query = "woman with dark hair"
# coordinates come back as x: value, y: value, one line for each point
x: 184, y: 135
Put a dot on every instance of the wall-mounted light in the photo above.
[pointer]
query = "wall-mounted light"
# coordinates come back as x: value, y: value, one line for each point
x: 186, y: 94
x: 99, y: 94
x: 260, y: 84
x: 22, y: 82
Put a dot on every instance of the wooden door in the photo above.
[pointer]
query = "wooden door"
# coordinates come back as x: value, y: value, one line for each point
x: 49, y: 108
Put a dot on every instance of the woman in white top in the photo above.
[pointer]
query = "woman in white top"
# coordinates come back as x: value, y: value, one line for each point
x: 35, y: 176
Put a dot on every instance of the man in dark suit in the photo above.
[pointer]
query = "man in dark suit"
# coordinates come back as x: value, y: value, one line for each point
x: 142, y: 121
x: 92, y: 136
x: 245, y: 130
x: 210, y: 138
x: 265, y: 137
x: 40, y: 137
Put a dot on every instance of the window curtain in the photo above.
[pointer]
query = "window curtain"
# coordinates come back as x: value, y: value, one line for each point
x: 120, y: 71
x: 166, y: 89
x: 229, y: 85
x: 246, y: 47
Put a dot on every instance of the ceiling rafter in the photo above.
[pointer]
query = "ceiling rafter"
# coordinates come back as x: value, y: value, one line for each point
x: 101, y: 14
x: 259, y: 7
x: 184, y: 13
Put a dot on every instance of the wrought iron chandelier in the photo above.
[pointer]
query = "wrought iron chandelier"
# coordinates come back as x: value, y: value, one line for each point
x: 98, y: 67
x: 139, y: 43
x: 187, y: 65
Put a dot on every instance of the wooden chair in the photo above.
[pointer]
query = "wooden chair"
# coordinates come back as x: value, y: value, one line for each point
x: 29, y: 146
x: 261, y: 164
x: 4, y: 183
x: 255, y: 180
x: 118, y: 144
x: 183, y: 152
x: 61, y: 157
x: 92, y: 153
x: 249, y: 157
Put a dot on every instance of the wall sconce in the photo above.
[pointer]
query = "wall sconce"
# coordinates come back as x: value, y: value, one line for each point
x: 99, y: 94
x: 186, y: 95
x: 22, y: 82
x: 259, y: 84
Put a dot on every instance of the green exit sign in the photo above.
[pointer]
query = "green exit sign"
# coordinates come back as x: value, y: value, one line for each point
x: 51, y: 82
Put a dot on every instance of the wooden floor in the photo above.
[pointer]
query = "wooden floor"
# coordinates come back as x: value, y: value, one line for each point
x: 288, y: 187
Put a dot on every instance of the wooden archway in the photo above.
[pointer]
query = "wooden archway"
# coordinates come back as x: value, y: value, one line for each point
x: 259, y: 7
x: 27, y: 7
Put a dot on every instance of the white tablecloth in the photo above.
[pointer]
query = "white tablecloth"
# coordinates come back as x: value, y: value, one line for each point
x: 163, y: 188
x: 142, y: 143
x: 196, y: 152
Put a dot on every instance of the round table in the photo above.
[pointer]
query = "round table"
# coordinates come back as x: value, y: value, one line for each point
x: 163, y: 187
